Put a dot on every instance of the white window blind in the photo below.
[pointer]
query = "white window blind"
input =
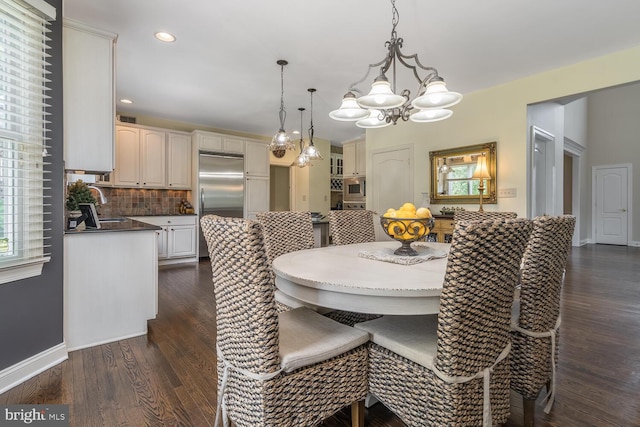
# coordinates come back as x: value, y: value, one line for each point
x: 25, y: 208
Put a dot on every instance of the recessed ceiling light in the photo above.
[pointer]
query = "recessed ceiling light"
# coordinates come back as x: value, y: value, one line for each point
x: 165, y: 37
x: 126, y: 101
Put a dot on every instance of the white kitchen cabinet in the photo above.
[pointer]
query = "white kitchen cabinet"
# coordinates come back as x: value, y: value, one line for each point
x: 89, y: 97
x: 177, y: 239
x: 178, y: 161
x: 140, y: 157
x: 256, y: 193
x: 256, y: 159
x: 336, y: 165
x: 208, y: 141
x: 354, y: 156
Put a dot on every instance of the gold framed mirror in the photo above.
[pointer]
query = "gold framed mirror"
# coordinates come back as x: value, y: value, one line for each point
x: 452, y: 175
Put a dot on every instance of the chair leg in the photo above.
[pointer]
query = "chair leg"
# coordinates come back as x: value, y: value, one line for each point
x: 357, y: 414
x: 529, y: 407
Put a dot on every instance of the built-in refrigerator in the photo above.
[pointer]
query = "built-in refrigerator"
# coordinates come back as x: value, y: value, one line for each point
x: 221, y: 188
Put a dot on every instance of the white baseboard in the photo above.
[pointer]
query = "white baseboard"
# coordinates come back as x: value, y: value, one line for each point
x: 585, y: 242
x: 28, y: 368
x: 635, y: 243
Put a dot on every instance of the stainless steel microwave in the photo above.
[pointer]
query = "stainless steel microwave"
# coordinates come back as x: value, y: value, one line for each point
x: 354, y: 189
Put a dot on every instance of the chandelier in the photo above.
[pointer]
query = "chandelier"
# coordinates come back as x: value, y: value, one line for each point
x: 301, y: 160
x: 281, y: 141
x: 382, y: 106
x: 311, y: 151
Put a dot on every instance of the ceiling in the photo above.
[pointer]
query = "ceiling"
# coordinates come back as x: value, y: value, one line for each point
x: 221, y: 71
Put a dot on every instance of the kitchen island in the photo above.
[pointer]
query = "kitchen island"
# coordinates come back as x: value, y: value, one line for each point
x: 111, y: 282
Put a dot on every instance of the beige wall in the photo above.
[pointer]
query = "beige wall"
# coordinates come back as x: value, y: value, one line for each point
x: 500, y: 114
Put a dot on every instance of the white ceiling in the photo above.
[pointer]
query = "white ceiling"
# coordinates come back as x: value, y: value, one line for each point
x: 222, y: 72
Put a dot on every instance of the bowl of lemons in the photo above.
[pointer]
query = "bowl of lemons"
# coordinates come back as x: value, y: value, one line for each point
x: 407, y: 225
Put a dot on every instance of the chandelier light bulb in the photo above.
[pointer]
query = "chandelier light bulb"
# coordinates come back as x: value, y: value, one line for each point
x: 381, y: 96
x: 437, y: 96
x: 375, y: 120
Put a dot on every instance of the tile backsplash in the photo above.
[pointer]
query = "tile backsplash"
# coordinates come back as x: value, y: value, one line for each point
x: 137, y: 201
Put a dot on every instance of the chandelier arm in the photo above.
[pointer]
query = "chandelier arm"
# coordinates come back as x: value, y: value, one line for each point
x: 353, y: 86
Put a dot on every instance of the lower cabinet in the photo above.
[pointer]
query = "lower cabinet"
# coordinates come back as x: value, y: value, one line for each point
x: 442, y: 230
x: 177, y: 238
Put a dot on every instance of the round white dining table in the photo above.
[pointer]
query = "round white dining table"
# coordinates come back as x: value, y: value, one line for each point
x: 336, y: 277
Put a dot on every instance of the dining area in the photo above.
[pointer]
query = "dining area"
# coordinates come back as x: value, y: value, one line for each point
x: 304, y: 332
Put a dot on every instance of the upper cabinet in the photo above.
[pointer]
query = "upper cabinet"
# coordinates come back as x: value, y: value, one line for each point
x: 256, y: 159
x: 208, y: 141
x: 354, y: 156
x: 89, y: 97
x: 152, y: 158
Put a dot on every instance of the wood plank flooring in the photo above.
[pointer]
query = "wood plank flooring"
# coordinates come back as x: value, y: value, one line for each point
x: 168, y: 378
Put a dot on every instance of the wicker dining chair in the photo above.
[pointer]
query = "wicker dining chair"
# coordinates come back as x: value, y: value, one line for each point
x: 347, y: 227
x: 480, y: 216
x: 287, y: 369
x: 284, y: 232
x: 453, y: 369
x: 536, y: 314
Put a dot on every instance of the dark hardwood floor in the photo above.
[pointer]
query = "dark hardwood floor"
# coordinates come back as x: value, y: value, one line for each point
x: 168, y: 378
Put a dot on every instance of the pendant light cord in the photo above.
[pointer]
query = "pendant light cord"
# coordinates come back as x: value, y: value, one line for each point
x: 282, y: 114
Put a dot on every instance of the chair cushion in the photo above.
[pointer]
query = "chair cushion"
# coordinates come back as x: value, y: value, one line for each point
x: 412, y: 337
x: 307, y: 337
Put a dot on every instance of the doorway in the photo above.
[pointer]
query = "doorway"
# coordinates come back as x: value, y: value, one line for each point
x: 612, y: 201
x: 280, y: 191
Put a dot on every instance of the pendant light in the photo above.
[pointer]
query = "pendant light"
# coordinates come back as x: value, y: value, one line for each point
x: 281, y: 140
x: 311, y: 151
x: 301, y: 160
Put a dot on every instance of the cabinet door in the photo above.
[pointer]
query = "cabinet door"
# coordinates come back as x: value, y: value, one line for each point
x: 361, y: 158
x: 230, y: 145
x: 127, y: 170
x: 89, y: 108
x: 179, y: 161
x: 208, y: 142
x: 162, y: 242
x: 152, y: 159
x: 182, y: 241
x: 349, y: 159
x: 256, y: 159
x: 256, y: 193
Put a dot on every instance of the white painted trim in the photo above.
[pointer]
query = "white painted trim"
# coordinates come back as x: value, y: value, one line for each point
x: 635, y: 243
x: 575, y: 151
x: 108, y: 340
x: 629, y: 167
x: 29, y: 368
x: 573, y: 147
x: 585, y: 242
x: 539, y: 133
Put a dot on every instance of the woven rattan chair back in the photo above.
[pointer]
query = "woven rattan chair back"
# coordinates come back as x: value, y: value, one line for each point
x: 543, y: 268
x: 286, y: 231
x: 481, y: 216
x: 351, y: 226
x: 246, y: 317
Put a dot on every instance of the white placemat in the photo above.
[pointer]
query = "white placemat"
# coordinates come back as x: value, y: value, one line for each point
x: 425, y: 253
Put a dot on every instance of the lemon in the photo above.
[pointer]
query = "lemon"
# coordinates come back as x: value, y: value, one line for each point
x: 409, y: 207
x: 423, y: 213
x: 391, y: 213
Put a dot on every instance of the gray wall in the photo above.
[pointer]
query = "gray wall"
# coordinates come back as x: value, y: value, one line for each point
x: 31, y: 310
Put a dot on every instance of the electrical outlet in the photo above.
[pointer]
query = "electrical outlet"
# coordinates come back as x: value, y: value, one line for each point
x: 507, y: 192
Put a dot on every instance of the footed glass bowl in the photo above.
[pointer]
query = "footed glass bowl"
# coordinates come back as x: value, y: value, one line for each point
x: 406, y: 231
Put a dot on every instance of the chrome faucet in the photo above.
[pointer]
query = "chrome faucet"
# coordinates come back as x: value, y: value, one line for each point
x: 103, y: 199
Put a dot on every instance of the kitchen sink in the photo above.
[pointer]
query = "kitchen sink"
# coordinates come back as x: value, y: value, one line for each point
x: 113, y: 219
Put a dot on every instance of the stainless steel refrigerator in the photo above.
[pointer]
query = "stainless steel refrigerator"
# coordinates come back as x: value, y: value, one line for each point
x: 221, y: 187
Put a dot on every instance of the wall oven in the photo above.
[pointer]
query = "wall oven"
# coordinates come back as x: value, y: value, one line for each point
x: 354, y: 189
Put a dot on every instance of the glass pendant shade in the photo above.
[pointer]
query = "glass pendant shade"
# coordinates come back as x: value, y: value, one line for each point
x: 373, y: 121
x: 445, y: 167
x: 301, y: 161
x: 437, y: 96
x: 349, y: 110
x: 433, y: 115
x: 381, y: 96
x: 312, y: 153
x: 282, y: 140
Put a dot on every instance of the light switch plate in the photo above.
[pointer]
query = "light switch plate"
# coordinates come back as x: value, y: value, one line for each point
x: 507, y: 192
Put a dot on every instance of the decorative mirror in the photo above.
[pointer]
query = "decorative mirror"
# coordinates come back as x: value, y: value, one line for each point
x: 456, y: 174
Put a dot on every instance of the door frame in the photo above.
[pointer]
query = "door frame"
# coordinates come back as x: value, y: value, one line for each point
x: 575, y: 151
x: 537, y: 132
x: 629, y: 168
x: 292, y: 180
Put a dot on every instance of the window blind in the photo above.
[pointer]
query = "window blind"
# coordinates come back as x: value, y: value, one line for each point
x: 25, y: 193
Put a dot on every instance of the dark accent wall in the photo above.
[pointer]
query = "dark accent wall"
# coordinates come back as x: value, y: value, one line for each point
x: 31, y: 310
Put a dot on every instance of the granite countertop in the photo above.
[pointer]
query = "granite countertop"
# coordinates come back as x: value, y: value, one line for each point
x: 107, y: 227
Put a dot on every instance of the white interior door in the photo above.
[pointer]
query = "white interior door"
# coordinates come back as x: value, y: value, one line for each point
x: 611, y: 188
x: 391, y: 183
x: 542, y: 172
